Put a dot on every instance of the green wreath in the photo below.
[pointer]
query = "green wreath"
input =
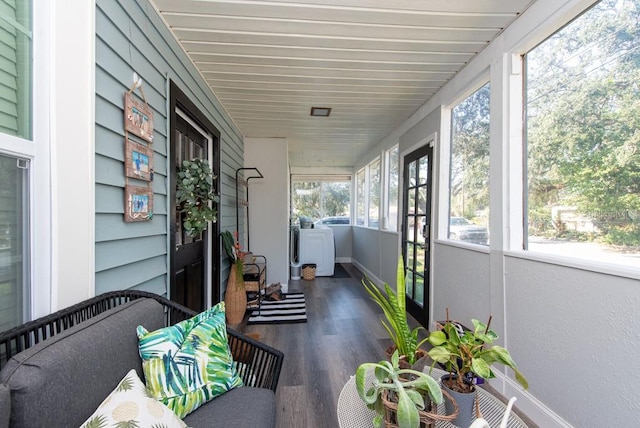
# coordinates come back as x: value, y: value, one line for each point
x: 195, y: 194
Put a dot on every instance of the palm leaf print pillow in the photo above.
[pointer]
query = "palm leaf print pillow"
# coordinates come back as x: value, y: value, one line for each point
x: 189, y: 363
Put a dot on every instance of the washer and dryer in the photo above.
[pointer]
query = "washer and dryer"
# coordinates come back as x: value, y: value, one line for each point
x: 316, y: 246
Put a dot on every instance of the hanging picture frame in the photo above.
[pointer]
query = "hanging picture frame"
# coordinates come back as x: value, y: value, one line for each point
x: 138, y: 118
x: 138, y: 203
x: 138, y: 160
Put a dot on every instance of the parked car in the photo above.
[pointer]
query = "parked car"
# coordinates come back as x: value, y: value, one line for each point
x: 462, y: 229
x: 336, y: 220
x: 332, y: 221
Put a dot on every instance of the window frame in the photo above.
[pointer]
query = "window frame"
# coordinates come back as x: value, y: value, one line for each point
x: 386, y: 198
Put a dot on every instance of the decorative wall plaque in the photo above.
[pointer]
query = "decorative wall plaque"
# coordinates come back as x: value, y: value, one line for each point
x: 138, y: 160
x: 138, y: 118
x: 138, y: 203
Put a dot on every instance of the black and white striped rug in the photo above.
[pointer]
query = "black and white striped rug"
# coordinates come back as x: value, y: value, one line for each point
x: 290, y: 310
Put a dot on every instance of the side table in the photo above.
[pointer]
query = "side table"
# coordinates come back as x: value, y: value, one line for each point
x: 353, y: 413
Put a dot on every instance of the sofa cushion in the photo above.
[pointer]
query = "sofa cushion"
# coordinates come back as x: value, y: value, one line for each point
x: 239, y: 408
x: 66, y: 377
x: 5, y: 405
x: 189, y: 363
x: 129, y: 404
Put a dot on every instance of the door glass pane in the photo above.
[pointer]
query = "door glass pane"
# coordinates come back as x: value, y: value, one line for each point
x: 412, y: 174
x: 423, y: 172
x: 15, y: 68
x: 419, y: 289
x: 421, y: 207
x: 411, y: 201
x: 14, y: 266
x: 421, y: 230
x: 410, y: 256
x: 409, y: 285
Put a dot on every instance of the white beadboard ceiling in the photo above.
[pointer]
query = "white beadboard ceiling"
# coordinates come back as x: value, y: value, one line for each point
x: 373, y: 62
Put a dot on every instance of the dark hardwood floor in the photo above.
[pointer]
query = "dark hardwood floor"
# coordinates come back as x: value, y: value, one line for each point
x: 343, y: 330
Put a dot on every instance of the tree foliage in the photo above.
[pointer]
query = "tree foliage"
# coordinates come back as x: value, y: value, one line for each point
x: 470, y: 154
x: 318, y: 199
x: 583, y: 107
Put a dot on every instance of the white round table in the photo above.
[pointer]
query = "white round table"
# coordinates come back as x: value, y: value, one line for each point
x: 353, y: 413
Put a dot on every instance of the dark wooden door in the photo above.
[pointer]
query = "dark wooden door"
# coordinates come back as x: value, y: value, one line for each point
x: 190, y: 251
x: 194, y: 261
x: 416, y: 219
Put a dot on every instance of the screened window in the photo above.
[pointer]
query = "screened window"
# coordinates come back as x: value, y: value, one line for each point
x: 374, y: 193
x: 325, y: 200
x: 583, y: 144
x: 391, y: 190
x: 469, y: 179
x: 360, y: 197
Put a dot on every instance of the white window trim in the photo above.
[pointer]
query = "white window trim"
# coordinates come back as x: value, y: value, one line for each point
x: 63, y: 176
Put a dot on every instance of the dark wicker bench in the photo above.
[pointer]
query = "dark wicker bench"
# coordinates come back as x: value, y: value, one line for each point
x: 262, y: 364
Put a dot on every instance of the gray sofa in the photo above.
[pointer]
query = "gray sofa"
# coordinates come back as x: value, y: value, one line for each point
x: 89, y: 348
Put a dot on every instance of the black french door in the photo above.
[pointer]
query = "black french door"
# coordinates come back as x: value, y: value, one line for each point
x: 416, y: 221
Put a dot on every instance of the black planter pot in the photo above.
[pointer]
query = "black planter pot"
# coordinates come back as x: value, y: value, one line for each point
x: 466, y: 404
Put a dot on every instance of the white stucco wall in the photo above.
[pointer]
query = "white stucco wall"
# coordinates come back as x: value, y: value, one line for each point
x: 576, y: 335
x: 269, y: 204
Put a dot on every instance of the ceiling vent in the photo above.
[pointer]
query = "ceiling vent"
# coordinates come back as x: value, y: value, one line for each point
x: 320, y: 111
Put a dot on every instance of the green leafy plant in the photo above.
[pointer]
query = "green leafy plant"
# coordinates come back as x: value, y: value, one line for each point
x: 231, y: 246
x: 412, y: 388
x: 468, y: 353
x: 194, y: 195
x: 394, y: 307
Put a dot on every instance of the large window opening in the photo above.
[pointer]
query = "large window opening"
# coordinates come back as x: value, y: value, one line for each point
x: 469, y: 175
x: 321, y: 200
x: 391, y: 189
x: 583, y: 138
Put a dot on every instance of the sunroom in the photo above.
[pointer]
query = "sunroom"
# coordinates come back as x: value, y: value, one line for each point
x: 493, y: 145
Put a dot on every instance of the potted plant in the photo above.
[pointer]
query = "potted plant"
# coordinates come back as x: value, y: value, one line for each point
x: 235, y: 296
x: 194, y: 195
x: 393, y: 305
x: 468, y: 354
x: 400, y: 397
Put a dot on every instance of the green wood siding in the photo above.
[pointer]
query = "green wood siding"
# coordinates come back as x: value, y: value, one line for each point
x: 131, y: 37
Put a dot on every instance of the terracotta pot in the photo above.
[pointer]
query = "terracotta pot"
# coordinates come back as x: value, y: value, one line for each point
x: 235, y: 297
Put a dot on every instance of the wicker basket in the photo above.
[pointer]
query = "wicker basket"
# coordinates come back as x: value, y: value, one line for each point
x: 428, y: 418
x: 309, y: 272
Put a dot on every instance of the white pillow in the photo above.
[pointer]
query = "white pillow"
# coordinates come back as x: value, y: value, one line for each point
x: 130, y: 402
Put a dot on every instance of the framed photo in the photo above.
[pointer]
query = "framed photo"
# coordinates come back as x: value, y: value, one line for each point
x: 138, y: 118
x: 138, y: 160
x: 138, y: 203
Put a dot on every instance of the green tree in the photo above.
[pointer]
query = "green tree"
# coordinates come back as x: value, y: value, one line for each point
x: 470, y: 154
x: 584, y: 123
